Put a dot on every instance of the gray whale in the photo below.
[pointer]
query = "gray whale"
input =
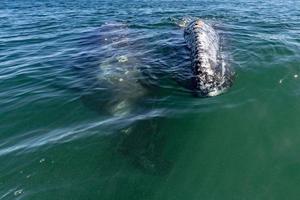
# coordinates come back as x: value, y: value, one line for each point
x: 212, y: 76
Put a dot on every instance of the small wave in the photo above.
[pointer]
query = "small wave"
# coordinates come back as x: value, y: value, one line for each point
x: 37, y: 139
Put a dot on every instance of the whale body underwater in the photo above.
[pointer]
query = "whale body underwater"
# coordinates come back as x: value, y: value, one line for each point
x: 211, y: 74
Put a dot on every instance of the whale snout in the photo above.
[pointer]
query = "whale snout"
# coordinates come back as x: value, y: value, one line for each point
x: 209, y: 91
x: 212, y: 85
x: 212, y: 76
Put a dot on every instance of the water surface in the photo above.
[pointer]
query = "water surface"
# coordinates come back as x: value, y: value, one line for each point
x: 93, y: 103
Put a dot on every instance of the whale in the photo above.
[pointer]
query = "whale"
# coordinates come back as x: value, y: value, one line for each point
x: 211, y: 74
x: 108, y: 76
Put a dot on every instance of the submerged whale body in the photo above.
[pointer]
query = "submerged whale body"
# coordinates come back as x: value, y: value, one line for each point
x: 211, y: 75
x: 108, y: 70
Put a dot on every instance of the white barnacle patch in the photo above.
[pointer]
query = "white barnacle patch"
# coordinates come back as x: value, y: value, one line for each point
x: 214, y: 92
x: 121, y: 109
x: 18, y: 192
x: 295, y: 75
x: 122, y: 59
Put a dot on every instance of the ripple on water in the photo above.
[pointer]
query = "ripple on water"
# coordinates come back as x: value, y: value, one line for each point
x: 115, y: 74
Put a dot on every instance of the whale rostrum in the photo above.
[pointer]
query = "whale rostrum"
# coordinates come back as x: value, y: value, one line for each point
x: 211, y: 74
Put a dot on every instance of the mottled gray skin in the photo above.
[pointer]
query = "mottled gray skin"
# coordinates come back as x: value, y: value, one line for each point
x: 211, y: 74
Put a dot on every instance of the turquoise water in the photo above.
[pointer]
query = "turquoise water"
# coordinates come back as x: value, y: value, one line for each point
x: 93, y: 103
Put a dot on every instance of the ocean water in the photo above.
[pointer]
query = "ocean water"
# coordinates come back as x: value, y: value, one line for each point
x: 94, y: 105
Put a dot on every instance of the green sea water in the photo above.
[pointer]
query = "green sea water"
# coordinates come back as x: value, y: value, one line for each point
x: 93, y: 103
